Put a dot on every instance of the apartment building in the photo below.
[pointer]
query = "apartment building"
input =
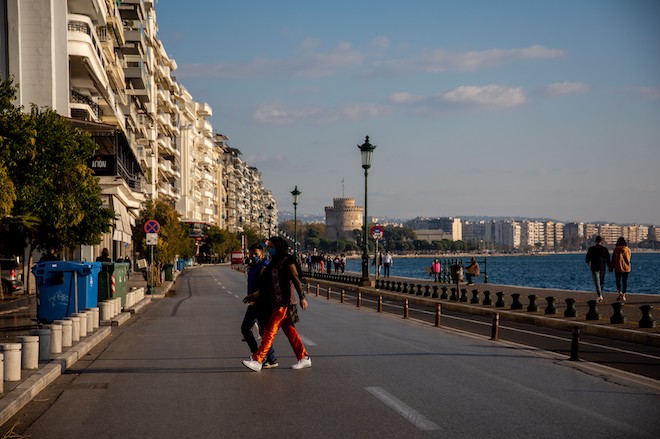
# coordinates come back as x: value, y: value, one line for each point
x: 101, y: 64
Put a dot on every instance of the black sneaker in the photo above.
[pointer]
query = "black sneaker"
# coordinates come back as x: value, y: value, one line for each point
x: 270, y: 364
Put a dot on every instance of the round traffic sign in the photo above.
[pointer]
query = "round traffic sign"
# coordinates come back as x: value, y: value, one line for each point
x: 151, y: 226
x: 377, y: 232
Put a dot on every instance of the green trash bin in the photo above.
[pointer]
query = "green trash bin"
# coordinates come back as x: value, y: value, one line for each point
x: 112, y: 281
x: 169, y: 271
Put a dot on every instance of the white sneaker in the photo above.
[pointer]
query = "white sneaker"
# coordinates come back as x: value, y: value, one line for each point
x: 252, y: 364
x: 302, y: 364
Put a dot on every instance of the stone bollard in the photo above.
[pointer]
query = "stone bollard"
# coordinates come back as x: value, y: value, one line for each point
x: 435, y: 294
x: 551, y: 308
x: 444, y: 293
x: 487, y: 300
x: 377, y: 284
x: 454, y: 294
x: 571, y: 311
x: 398, y: 287
x: 95, y: 317
x: 516, y: 301
x: 464, y: 297
x: 2, y: 373
x: 29, y: 351
x: 617, y: 314
x: 532, y: 307
x: 55, y: 338
x: 106, y: 310
x: 427, y: 291
x: 475, y: 297
x: 12, y: 366
x: 117, y: 301
x: 592, y: 314
x: 500, y: 300
x: 67, y: 337
x: 647, y: 320
x: 44, y: 343
x: 82, y: 327
x: 405, y: 288
x: 75, y: 328
x: 90, y: 320
x: 419, y: 290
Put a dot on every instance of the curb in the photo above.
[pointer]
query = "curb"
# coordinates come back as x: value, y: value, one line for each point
x: 16, y: 399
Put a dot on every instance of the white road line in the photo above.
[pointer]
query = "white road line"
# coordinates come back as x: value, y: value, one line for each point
x: 408, y: 413
x: 306, y: 341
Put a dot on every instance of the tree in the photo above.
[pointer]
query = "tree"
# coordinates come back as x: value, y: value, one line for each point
x: 57, y: 198
x: 220, y: 242
x: 173, y: 237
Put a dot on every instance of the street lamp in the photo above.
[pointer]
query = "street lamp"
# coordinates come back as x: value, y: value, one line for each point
x: 261, y: 223
x: 366, y: 151
x: 270, y: 219
x: 296, y: 197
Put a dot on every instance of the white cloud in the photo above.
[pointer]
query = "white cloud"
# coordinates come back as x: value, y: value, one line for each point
x: 405, y: 98
x: 380, y: 43
x: 494, y: 96
x: 565, y: 88
x: 341, y: 58
x: 280, y: 114
x: 650, y: 93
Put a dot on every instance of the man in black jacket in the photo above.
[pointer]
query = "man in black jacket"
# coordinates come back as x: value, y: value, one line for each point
x: 598, y: 259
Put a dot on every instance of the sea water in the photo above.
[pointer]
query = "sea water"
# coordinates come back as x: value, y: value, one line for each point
x: 556, y: 271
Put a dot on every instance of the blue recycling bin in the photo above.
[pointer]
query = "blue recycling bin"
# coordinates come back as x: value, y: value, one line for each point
x: 56, y: 285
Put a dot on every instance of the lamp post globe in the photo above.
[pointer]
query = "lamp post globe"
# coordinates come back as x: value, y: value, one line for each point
x: 295, y: 194
x: 366, y: 153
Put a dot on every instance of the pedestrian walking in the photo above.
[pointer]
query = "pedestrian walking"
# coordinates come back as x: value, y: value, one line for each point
x: 280, y: 284
x: 598, y: 259
x: 621, y: 267
x: 258, y: 311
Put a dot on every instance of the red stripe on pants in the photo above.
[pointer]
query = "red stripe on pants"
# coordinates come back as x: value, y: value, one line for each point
x: 279, y: 318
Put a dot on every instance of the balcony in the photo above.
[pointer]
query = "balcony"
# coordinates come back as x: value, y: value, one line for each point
x: 84, y: 108
x: 95, y: 9
x: 203, y: 109
x: 205, y: 127
x: 86, y: 57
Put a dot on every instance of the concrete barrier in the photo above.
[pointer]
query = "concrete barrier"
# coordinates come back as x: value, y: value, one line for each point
x: 12, y: 361
x: 90, y: 320
x: 82, y: 327
x: 106, y: 309
x: 29, y: 351
x: 75, y: 328
x: 95, y: 317
x: 44, y: 343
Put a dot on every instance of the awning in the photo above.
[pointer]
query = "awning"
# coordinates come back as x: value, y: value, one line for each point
x: 122, y: 230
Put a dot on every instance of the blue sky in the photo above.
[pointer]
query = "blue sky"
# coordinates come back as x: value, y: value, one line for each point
x: 494, y: 108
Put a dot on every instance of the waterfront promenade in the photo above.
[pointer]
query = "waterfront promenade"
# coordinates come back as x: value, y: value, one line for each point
x: 215, y: 289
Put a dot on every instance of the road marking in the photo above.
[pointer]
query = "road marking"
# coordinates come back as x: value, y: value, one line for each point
x: 306, y: 341
x: 408, y: 413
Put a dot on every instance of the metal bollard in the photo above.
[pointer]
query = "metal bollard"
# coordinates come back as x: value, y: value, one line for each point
x: 593, y: 313
x: 570, y: 308
x: 405, y: 309
x: 342, y: 295
x: 516, y: 301
x: 359, y: 298
x: 575, y: 344
x: 617, y: 315
x: 437, y: 314
x: 380, y: 303
x: 647, y: 321
x: 495, y: 327
x: 533, y: 307
x: 318, y: 290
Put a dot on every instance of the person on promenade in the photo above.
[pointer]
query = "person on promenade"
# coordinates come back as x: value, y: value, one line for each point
x: 105, y: 256
x: 598, y: 259
x: 472, y: 270
x: 435, y: 270
x: 387, y: 263
x: 278, y: 280
x: 621, y: 267
x: 257, y: 311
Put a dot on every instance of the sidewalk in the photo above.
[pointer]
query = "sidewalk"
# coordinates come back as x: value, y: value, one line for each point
x: 19, y: 315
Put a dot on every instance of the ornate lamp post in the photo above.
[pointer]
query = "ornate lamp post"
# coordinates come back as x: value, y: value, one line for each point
x: 270, y: 219
x: 366, y: 151
x: 295, y: 193
x: 261, y: 223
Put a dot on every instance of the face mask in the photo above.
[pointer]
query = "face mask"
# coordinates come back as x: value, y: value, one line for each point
x: 256, y: 259
x: 272, y: 251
